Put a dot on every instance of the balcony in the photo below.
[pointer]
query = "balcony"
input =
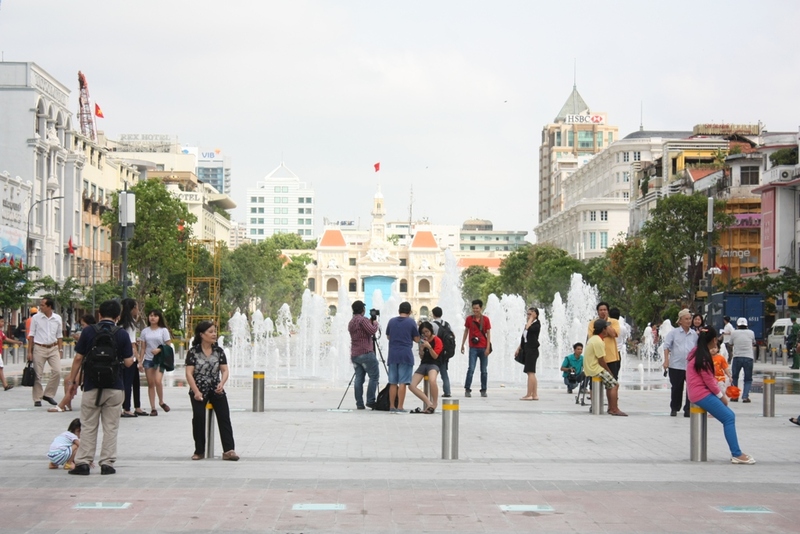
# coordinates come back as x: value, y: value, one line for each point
x: 780, y: 173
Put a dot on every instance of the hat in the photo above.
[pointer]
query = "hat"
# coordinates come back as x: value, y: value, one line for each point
x: 741, y: 321
x: 683, y: 313
x: 34, y: 309
x: 599, y: 325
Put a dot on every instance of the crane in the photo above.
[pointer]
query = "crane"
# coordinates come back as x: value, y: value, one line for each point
x: 85, y: 113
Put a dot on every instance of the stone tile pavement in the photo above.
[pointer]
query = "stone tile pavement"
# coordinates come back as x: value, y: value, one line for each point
x: 563, y: 469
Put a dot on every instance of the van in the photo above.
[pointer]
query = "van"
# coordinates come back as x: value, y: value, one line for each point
x: 777, y: 335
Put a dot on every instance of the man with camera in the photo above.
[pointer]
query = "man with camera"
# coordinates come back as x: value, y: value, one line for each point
x: 362, y: 353
x: 478, y: 329
x: 572, y: 368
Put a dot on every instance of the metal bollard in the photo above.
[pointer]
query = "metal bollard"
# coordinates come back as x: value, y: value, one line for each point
x: 209, y: 430
x: 762, y: 351
x: 773, y: 355
x: 698, y: 434
x: 769, y: 396
x: 597, y: 396
x: 258, y: 391
x: 784, y: 356
x: 450, y: 429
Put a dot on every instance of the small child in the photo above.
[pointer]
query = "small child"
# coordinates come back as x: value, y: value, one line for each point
x: 64, y: 447
x: 722, y: 371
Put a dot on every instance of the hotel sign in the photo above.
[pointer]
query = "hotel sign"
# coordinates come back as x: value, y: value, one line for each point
x: 585, y: 119
x: 726, y: 129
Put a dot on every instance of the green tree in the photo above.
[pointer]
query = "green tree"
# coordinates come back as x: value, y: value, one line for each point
x: 98, y: 293
x: 15, y: 286
x: 551, y: 271
x: 157, y: 257
x: 475, y: 283
x: 784, y: 156
x: 516, y: 271
x: 676, y: 233
x: 292, y: 242
x: 66, y: 294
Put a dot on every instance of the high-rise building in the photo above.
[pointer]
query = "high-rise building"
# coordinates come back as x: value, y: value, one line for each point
x: 280, y: 204
x: 575, y: 133
x: 213, y: 167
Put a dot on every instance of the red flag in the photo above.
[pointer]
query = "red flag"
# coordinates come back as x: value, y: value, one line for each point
x: 98, y: 111
x: 20, y: 265
x: 4, y: 260
x: 70, y: 248
x: 11, y: 263
x: 377, y: 166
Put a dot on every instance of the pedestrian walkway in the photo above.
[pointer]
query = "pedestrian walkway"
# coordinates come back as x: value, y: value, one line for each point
x: 546, y: 466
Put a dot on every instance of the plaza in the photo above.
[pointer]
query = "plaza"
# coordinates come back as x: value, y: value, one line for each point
x: 546, y: 466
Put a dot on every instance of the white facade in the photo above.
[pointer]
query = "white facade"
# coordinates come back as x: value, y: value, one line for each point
x: 280, y: 204
x: 213, y: 167
x: 238, y: 235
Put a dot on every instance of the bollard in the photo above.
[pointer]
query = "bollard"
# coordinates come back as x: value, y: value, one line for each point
x: 209, y: 430
x: 258, y: 391
x: 784, y: 356
x: 773, y: 355
x: 449, y: 429
x: 698, y: 434
x: 762, y: 353
x: 597, y: 395
x: 769, y: 396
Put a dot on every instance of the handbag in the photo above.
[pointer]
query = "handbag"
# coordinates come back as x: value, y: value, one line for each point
x: 29, y: 375
x: 520, y: 358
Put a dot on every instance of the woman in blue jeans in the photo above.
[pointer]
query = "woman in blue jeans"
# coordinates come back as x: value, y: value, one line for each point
x: 704, y: 391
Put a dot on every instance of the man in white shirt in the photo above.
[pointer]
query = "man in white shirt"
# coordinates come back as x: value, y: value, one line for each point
x: 727, y: 330
x: 46, y: 345
x: 743, y: 340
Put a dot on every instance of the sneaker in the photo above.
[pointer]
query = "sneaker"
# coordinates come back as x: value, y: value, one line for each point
x: 468, y: 393
x: 746, y: 400
x: 483, y: 394
x: 446, y: 396
x: 107, y: 470
x: 80, y: 469
x: 673, y: 414
x: 569, y: 391
x: 372, y: 405
x: 51, y: 400
x: 37, y: 403
x: 361, y: 408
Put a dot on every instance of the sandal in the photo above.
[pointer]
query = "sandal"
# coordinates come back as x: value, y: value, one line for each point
x: 417, y: 410
x: 153, y: 413
x: 164, y: 406
x: 128, y: 414
x: 430, y: 410
x: 794, y: 420
x: 141, y: 413
x: 55, y: 409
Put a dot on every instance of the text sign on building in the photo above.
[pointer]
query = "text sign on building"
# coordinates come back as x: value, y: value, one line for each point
x: 585, y: 119
x: 747, y: 220
x: 726, y: 129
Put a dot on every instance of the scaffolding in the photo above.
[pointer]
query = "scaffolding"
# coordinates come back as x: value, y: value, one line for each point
x: 85, y: 113
x: 202, y: 287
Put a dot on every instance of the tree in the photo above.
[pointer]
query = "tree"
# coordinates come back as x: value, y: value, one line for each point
x: 475, y: 281
x: 65, y: 294
x: 676, y: 234
x: 551, y: 271
x: 98, y: 293
x: 15, y: 286
x: 784, y: 156
x: 292, y: 242
x: 157, y: 253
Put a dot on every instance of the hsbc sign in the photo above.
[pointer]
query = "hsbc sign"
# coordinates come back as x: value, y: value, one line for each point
x: 585, y: 119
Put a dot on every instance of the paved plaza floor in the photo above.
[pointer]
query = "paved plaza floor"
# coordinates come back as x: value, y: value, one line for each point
x: 544, y: 466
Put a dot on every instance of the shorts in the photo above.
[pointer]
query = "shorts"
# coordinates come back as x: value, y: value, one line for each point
x: 615, y: 367
x: 400, y: 373
x: 425, y: 368
x: 1, y: 361
x: 60, y: 456
x: 148, y: 364
x: 608, y: 379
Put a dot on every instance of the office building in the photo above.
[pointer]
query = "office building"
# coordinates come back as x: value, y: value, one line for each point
x: 280, y: 204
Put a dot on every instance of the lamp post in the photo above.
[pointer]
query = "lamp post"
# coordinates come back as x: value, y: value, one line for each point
x: 127, y: 219
x: 28, y: 237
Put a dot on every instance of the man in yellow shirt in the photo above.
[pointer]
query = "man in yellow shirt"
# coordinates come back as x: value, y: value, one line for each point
x: 594, y: 363
x: 610, y: 340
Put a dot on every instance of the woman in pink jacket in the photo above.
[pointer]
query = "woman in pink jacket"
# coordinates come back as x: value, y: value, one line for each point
x: 704, y: 391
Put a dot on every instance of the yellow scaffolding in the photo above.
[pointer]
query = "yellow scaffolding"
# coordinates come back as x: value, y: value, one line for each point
x: 199, y: 284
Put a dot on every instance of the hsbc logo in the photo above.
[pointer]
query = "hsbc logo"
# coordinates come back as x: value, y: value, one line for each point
x: 585, y: 119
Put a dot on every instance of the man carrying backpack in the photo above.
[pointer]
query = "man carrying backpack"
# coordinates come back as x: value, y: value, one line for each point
x: 442, y: 330
x: 100, y: 353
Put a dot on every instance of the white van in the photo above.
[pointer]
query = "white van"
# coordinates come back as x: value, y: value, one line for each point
x: 777, y: 335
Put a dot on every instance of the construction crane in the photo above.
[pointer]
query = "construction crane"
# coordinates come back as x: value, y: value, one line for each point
x: 85, y: 113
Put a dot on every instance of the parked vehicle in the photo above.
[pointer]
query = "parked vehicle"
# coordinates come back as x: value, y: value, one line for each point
x: 777, y: 335
x: 735, y: 305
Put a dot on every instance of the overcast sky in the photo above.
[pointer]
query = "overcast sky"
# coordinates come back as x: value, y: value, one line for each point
x: 449, y: 96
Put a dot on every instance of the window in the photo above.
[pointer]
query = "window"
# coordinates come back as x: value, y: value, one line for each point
x: 352, y: 285
x: 570, y: 138
x: 285, y: 211
x: 260, y: 231
x: 603, y: 239
x: 403, y: 286
x: 252, y: 231
x: 472, y: 238
x: 599, y: 139
x: 277, y: 200
x: 637, y: 156
x: 626, y: 157
x: 308, y: 201
x: 611, y: 138
x: 284, y: 221
x: 626, y: 176
x: 276, y: 221
x: 424, y: 286
x: 308, y: 232
x: 261, y: 220
x: 592, y: 240
x: 253, y: 210
x: 312, y: 284
x: 260, y: 210
x: 308, y: 211
x: 261, y: 200
x: 332, y: 285
x: 300, y: 200
x: 617, y: 157
x: 558, y: 138
x: 585, y: 139
x: 276, y: 211
x: 351, y: 261
x: 285, y: 200
x: 604, y: 215
x: 617, y: 177
x: 253, y: 199
x: 277, y: 189
x: 486, y: 247
x: 749, y: 176
x: 472, y: 247
x: 424, y: 312
x: 592, y: 215
x: 300, y: 210
x: 284, y: 189
x: 626, y: 195
x: 252, y: 220
x: 403, y: 262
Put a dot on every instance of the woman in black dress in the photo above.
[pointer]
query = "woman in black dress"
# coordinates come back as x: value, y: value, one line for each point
x: 529, y: 346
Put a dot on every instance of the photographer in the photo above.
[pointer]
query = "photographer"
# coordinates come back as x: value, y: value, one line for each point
x: 572, y: 368
x: 362, y: 353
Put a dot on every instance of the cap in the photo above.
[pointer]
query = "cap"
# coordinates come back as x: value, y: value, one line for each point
x: 34, y: 310
x: 599, y: 325
x: 741, y: 321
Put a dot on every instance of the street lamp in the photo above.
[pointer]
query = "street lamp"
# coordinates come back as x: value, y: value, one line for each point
x: 28, y: 237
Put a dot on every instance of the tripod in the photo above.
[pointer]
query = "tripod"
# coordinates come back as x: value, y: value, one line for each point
x: 377, y: 349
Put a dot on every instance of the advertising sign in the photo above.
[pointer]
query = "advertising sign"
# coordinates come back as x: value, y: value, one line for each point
x: 585, y: 119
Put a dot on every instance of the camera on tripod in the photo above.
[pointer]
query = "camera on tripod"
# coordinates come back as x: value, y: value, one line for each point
x: 374, y: 314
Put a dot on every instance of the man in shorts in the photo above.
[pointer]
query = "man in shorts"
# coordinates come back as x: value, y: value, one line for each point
x: 402, y: 334
x: 594, y: 364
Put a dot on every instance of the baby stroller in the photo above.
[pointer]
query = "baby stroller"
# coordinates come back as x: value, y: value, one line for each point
x: 580, y: 398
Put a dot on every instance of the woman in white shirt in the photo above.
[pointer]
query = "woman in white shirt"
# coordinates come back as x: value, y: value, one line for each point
x: 151, y: 339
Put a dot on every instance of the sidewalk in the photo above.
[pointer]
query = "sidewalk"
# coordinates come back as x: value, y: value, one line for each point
x: 568, y: 470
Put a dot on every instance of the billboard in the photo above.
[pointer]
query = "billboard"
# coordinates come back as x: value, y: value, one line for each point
x: 585, y: 119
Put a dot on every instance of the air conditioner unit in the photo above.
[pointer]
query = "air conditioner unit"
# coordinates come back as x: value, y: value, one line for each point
x: 784, y: 174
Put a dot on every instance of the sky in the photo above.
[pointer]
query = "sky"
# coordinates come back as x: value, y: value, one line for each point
x: 449, y: 96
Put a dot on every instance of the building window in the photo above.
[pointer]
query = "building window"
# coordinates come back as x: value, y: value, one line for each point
x: 284, y: 221
x: 424, y: 286
x: 617, y: 157
x: 277, y: 189
x: 558, y: 138
x: 351, y: 262
x: 637, y: 156
x: 424, y: 312
x: 253, y: 199
x: 260, y: 231
x: 611, y: 138
x: 626, y: 195
x: 604, y: 215
x: 299, y: 221
x: 603, y: 239
x: 592, y: 215
x: 403, y: 286
x: 260, y: 210
x: 472, y: 247
x: 253, y: 220
x: 308, y: 200
x: 749, y: 176
x: 308, y: 221
x: 285, y: 210
x: 277, y: 200
x: 284, y: 189
x: 252, y: 231
x: 308, y: 232
x: 276, y: 221
x: 626, y: 176
x: 585, y: 139
x: 472, y: 238
x: 617, y: 177
x: 252, y: 210
x: 592, y: 240
x: 570, y: 138
x: 312, y: 284
x: 301, y: 200
x: 599, y: 139
x: 276, y: 211
x: 332, y: 286
x: 486, y: 247
x: 352, y: 285
x: 626, y: 157
x: 301, y: 210
x: 403, y: 262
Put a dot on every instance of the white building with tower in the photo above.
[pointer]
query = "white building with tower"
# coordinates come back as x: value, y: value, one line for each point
x: 280, y: 204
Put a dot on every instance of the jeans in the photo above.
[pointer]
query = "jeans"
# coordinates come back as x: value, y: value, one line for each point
x: 130, y: 378
x: 223, y: 415
x: 474, y: 354
x: 366, y: 364
x: 725, y: 415
x: 572, y: 385
x: 677, y: 379
x: 746, y: 364
x: 445, y: 378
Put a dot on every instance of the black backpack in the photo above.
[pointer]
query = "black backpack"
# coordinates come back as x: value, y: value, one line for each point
x: 448, y: 340
x: 101, y: 366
